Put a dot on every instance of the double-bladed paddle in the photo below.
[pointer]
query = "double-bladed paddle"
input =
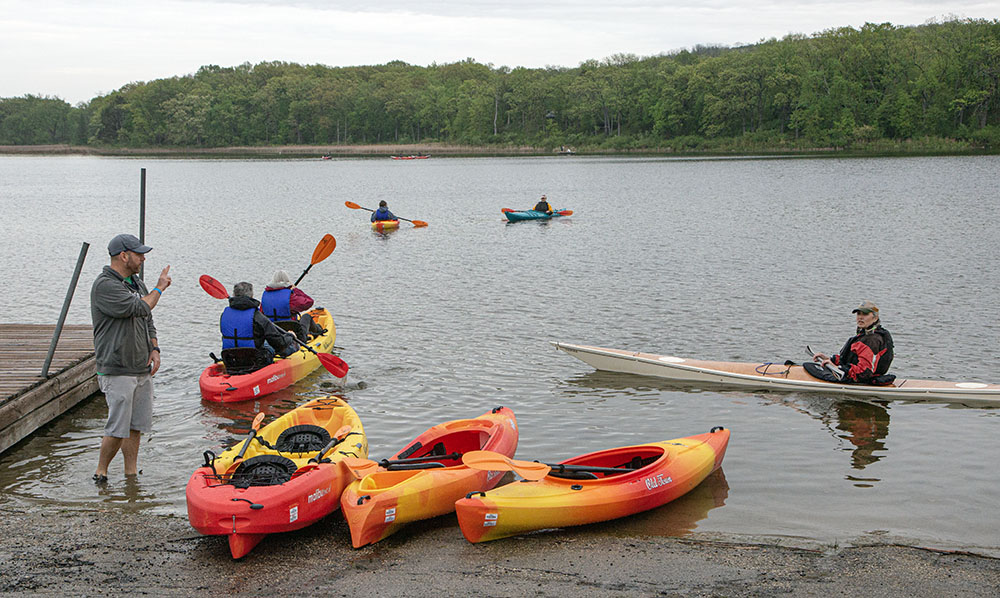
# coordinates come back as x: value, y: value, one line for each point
x: 333, y: 364
x: 529, y: 470
x: 323, y: 250
x: 354, y: 206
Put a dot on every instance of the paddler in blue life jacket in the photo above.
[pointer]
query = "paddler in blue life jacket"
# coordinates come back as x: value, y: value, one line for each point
x: 543, y: 206
x: 866, y: 356
x: 382, y: 213
x: 282, y: 301
x: 243, y: 325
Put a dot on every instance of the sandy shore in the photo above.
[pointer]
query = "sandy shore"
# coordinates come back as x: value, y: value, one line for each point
x: 113, y: 552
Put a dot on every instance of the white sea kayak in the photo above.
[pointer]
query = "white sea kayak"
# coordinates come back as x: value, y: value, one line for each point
x: 772, y: 376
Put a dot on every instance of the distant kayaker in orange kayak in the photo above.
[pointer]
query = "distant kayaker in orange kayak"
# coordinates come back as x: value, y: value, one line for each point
x: 382, y: 213
x: 282, y: 301
x: 543, y: 206
x: 866, y: 356
x: 243, y: 325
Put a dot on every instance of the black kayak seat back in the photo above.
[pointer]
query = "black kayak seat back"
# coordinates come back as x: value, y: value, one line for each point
x: 263, y: 470
x: 243, y: 360
x: 304, y: 438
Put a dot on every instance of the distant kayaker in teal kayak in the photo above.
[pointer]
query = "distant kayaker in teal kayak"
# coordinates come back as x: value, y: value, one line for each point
x: 383, y: 213
x: 243, y: 325
x: 865, y: 357
x: 543, y: 206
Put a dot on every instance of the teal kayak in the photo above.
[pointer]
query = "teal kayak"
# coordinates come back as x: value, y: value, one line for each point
x: 516, y: 216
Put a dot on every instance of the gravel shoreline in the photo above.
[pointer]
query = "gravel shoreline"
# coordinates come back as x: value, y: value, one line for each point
x: 110, y: 552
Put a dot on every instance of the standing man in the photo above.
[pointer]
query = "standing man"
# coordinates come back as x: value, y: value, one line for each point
x: 126, y: 350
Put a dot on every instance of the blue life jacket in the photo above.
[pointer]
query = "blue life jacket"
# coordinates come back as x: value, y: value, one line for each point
x: 237, y: 328
x: 382, y: 214
x: 276, y: 305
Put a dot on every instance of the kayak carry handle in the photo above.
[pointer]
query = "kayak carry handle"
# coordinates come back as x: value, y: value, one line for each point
x: 716, y: 429
x: 479, y: 492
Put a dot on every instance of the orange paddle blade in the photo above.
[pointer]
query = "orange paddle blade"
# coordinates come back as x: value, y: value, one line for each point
x: 490, y: 461
x: 323, y: 249
x: 505, y: 210
x: 565, y: 212
x: 213, y: 287
x: 419, y: 223
x: 352, y: 205
x: 257, y: 421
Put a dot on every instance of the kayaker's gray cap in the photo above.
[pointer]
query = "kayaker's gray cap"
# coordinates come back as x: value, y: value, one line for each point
x: 127, y: 243
x: 866, y: 307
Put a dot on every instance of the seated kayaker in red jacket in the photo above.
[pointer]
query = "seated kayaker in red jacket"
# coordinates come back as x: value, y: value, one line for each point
x: 866, y: 356
x: 543, y: 206
x: 382, y: 213
x: 282, y: 301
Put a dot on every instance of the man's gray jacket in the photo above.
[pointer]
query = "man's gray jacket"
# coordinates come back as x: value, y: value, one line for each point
x: 123, y: 325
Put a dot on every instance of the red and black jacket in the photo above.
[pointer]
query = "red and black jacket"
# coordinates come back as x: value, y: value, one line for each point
x: 866, y: 355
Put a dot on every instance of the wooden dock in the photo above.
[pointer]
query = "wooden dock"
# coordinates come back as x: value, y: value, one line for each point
x: 28, y: 401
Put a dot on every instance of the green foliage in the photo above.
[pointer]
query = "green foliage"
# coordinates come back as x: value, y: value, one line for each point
x: 870, y: 89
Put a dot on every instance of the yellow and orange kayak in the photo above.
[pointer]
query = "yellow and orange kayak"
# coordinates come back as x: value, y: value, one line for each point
x: 218, y: 385
x: 382, y: 502
x: 383, y: 225
x: 274, y: 487
x: 652, y: 475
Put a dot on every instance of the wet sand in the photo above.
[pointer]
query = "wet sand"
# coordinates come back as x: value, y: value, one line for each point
x: 114, y: 552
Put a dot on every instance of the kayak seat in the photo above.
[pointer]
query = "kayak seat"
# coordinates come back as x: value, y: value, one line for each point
x: 263, y: 470
x: 243, y: 360
x: 305, y: 438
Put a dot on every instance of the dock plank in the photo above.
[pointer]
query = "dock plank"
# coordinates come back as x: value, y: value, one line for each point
x: 29, y: 401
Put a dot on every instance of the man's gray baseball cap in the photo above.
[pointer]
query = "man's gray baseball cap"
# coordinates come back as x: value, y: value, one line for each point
x: 127, y: 243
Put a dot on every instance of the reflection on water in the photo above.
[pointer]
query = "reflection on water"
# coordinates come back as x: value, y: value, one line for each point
x: 680, y: 517
x: 865, y: 425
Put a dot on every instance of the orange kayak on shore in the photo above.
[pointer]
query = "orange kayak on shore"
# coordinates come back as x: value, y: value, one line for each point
x: 651, y: 475
x: 398, y: 493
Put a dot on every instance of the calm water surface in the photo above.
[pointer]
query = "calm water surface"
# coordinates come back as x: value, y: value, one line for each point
x: 714, y: 259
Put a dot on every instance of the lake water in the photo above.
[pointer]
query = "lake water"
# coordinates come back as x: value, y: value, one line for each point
x: 735, y: 259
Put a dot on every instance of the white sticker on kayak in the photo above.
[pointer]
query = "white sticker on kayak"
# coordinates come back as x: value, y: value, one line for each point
x: 293, y: 514
x: 654, y: 483
x: 390, y: 515
x: 256, y: 390
x: 492, y: 516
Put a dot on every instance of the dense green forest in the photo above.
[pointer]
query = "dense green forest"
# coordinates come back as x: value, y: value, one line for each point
x: 934, y: 85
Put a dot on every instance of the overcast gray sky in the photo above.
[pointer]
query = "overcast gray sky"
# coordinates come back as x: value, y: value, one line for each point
x: 77, y: 49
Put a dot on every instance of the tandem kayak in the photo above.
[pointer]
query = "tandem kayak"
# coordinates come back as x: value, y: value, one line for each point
x: 426, y: 478
x: 772, y: 376
x: 381, y: 225
x: 274, y: 487
x: 589, y: 489
x: 519, y: 215
x: 217, y: 385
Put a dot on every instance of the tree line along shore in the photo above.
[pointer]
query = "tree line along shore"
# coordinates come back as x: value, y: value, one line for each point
x: 880, y: 89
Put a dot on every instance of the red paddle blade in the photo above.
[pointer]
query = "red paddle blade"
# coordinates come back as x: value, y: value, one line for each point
x: 419, y: 223
x: 352, y: 205
x: 213, y: 287
x: 505, y: 210
x: 333, y: 364
x: 323, y: 249
x: 565, y: 212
